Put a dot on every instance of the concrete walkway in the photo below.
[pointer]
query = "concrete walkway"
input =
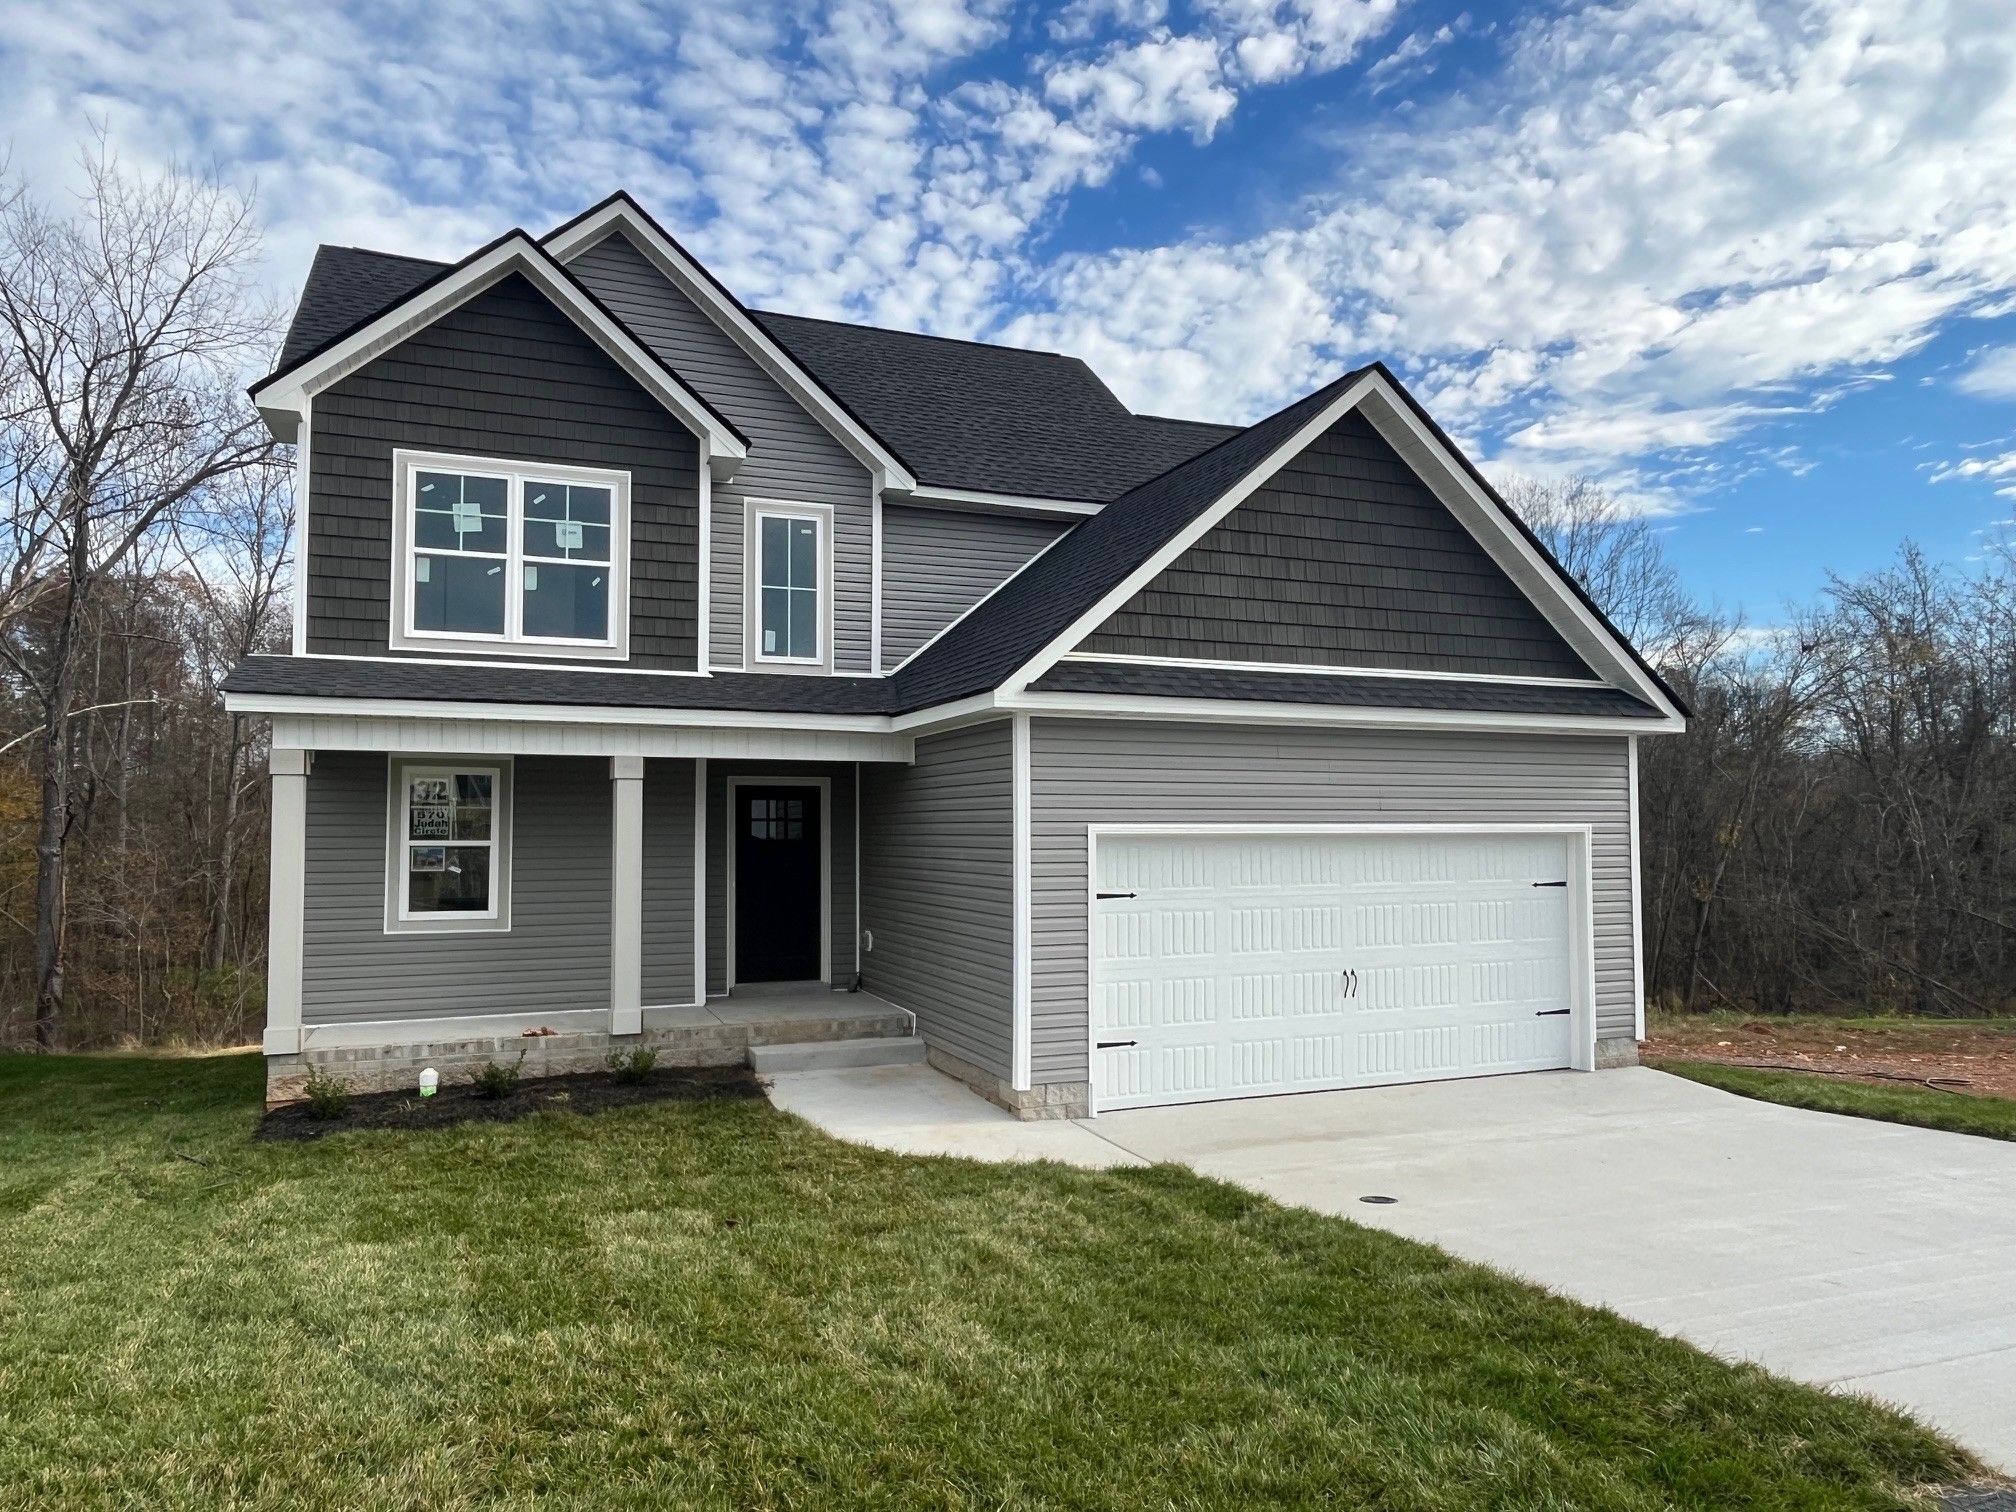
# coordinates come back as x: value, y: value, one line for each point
x: 1850, y: 1253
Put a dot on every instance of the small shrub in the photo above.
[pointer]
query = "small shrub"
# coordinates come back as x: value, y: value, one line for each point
x: 328, y: 1095
x: 495, y: 1081
x: 632, y: 1065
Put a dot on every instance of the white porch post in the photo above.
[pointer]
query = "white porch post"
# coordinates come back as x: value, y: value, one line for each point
x: 286, y: 890
x: 626, y: 897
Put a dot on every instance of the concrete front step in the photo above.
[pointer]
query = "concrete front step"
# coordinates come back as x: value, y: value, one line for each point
x: 834, y: 1055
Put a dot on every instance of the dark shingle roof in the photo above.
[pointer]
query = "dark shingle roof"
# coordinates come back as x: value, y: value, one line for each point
x: 746, y: 692
x: 346, y: 286
x: 961, y: 414
x: 1330, y: 688
x: 460, y: 682
x: 1038, y: 604
x: 964, y: 414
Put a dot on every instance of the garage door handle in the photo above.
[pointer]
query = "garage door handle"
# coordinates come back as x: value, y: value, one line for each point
x: 1550, y: 884
x: 1113, y: 895
x: 1553, y: 1012
x: 1350, y: 982
x: 1117, y: 1044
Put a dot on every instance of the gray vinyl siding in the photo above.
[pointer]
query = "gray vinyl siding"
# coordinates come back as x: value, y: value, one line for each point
x: 506, y: 375
x: 668, y: 883
x: 792, y: 457
x: 1086, y: 772
x: 938, y: 563
x: 1345, y: 559
x: 555, y: 956
x: 840, y: 859
x: 938, y: 891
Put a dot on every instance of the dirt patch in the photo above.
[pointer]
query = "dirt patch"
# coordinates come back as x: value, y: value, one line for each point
x: 1982, y: 1055
x: 594, y: 1092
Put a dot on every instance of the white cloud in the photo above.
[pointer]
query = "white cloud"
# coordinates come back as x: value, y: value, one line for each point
x: 1660, y: 227
x: 1992, y: 375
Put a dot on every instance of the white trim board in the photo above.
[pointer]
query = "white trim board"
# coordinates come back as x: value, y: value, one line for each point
x: 1581, y: 908
x: 1395, y: 420
x: 976, y: 501
x: 621, y: 213
x: 498, y: 737
x: 283, y: 398
x: 731, y: 836
x: 1022, y: 924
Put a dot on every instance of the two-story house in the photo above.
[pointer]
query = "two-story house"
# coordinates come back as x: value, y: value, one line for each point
x: 670, y: 672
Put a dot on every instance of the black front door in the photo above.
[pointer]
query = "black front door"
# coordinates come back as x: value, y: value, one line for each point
x: 776, y: 884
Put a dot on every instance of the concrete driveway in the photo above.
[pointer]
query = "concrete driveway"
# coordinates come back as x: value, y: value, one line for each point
x: 1836, y: 1250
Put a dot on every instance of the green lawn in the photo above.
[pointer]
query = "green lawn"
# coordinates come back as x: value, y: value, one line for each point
x: 1892, y: 1102
x: 712, y: 1304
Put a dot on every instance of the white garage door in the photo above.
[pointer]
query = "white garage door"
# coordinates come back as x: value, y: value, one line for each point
x: 1243, y: 965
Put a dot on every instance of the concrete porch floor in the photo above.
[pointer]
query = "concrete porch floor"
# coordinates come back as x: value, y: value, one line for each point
x: 1865, y: 1256
x: 778, y: 1018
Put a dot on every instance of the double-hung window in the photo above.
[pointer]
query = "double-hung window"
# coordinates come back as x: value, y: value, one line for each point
x: 496, y: 554
x: 789, y: 588
x: 449, y: 844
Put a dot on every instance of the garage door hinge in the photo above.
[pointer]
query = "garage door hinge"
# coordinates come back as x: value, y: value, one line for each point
x: 1117, y: 1044
x: 1550, y: 884
x: 1553, y: 1012
x: 1113, y: 895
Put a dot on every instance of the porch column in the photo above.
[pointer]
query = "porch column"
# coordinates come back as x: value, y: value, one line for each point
x: 286, y: 890
x: 626, y: 897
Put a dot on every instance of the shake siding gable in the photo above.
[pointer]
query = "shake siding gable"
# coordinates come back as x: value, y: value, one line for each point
x: 1085, y: 772
x: 508, y: 376
x: 792, y: 456
x: 938, y: 891
x: 1345, y: 558
x: 938, y: 563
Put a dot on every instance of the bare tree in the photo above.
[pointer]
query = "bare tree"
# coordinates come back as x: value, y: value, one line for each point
x: 127, y: 327
x: 1615, y: 554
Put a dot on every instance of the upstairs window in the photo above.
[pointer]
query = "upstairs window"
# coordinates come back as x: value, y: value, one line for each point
x: 510, y: 554
x: 789, y: 589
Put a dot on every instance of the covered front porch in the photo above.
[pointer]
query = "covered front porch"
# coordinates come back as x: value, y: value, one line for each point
x: 447, y: 892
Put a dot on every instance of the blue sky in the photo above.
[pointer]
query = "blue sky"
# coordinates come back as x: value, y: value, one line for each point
x: 1752, y: 264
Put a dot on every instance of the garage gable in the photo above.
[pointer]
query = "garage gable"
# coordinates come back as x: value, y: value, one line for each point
x: 1345, y: 557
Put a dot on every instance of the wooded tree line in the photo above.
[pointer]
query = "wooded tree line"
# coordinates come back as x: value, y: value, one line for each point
x: 1833, y: 832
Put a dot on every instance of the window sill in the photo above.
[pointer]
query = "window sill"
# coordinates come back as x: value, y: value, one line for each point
x: 458, y: 646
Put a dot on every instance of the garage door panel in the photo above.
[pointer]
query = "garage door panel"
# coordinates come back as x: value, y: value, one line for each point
x: 1248, y: 964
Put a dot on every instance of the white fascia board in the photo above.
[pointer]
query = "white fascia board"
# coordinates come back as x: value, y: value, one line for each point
x: 1231, y: 711
x: 974, y: 501
x: 297, y: 704
x: 288, y: 394
x: 1396, y: 421
x: 985, y: 706
x: 1187, y: 537
x: 760, y: 346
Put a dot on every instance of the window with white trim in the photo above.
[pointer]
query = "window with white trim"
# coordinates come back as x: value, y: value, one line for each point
x: 450, y: 829
x: 511, y: 554
x: 790, y: 560
x: 451, y: 844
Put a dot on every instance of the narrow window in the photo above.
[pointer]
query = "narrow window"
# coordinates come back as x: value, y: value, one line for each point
x: 449, y: 840
x: 788, y: 588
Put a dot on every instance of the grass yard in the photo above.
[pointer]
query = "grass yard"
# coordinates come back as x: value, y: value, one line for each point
x: 1892, y: 1102
x: 710, y: 1304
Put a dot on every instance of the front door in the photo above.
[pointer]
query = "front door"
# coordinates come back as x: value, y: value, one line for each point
x: 777, y: 860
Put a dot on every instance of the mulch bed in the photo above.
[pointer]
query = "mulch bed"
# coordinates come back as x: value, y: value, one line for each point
x: 591, y: 1092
